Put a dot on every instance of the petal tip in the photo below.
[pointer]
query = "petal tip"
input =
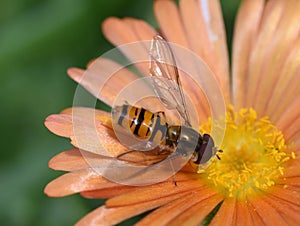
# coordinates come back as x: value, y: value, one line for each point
x: 108, y: 22
x: 75, y: 73
x: 49, y: 191
x: 59, y: 124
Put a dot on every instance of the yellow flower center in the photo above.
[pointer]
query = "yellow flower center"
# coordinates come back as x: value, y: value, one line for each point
x: 254, y: 151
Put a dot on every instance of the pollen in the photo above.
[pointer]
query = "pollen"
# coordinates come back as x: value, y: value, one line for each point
x: 254, y: 153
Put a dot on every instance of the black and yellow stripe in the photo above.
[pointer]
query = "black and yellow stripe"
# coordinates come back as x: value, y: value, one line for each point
x: 142, y: 123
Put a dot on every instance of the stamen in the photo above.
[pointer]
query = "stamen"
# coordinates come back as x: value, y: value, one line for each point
x: 253, y: 157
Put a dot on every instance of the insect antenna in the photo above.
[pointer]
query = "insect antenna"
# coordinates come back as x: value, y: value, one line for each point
x: 221, y: 151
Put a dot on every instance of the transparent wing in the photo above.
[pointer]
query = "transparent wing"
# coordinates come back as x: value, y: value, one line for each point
x: 166, y: 80
x: 155, y: 170
x: 144, y: 158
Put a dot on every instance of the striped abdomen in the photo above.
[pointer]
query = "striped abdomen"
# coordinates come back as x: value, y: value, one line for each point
x: 141, y: 122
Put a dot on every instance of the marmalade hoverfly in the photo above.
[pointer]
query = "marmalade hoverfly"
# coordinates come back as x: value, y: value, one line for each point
x: 153, y: 127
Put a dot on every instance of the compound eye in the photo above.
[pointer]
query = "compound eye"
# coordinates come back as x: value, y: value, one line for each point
x: 208, y: 140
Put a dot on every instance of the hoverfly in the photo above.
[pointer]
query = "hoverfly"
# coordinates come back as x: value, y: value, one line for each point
x: 152, y: 127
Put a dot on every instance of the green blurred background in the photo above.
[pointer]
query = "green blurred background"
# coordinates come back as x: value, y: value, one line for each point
x: 39, y: 40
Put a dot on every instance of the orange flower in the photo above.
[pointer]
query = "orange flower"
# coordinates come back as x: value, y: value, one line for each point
x: 257, y: 180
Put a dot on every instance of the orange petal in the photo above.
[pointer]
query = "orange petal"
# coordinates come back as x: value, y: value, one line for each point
x: 286, y: 91
x: 104, y: 79
x: 270, y: 70
x: 59, y: 124
x: 289, y: 212
x: 114, y: 85
x: 226, y: 213
x: 296, y: 145
x: 114, y: 191
x: 141, y: 29
x: 256, y: 219
x: 245, y: 31
x: 120, y: 32
x: 75, y: 159
x: 203, y: 21
x: 196, y: 29
x: 106, y: 216
x: 293, y: 181
x: 169, y: 19
x: 292, y: 168
x: 286, y: 194
x: 176, y: 209
x: 243, y: 216
x: 77, y: 181
x: 277, y: 55
x: 152, y: 192
x: 268, y: 213
x: 88, y: 130
x: 293, y: 131
x: 197, y: 213
x: 76, y: 73
x: 62, y: 124
x: 143, y: 33
x: 257, y: 61
x: 117, y: 31
x: 69, y: 160
x: 103, y: 117
x: 113, y: 216
x: 289, y: 116
x: 107, y: 192
x: 197, y: 97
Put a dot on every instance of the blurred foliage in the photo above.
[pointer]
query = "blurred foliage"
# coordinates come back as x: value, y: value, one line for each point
x: 39, y: 40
